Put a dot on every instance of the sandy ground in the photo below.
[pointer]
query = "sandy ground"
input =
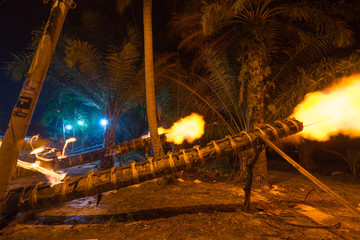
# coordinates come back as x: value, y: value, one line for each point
x: 201, y: 206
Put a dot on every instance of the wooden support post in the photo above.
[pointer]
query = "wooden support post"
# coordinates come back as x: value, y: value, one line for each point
x: 310, y: 176
x: 249, y: 179
x: 24, y: 108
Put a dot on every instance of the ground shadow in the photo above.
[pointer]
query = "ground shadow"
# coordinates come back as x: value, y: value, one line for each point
x: 149, y: 214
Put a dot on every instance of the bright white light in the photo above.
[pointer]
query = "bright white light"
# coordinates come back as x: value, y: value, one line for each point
x: 103, y: 122
x: 68, y: 127
x: 81, y: 123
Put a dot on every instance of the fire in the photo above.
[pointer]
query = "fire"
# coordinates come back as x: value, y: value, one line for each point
x: 38, y: 150
x: 53, y: 177
x: 69, y: 140
x: 188, y: 128
x: 336, y: 110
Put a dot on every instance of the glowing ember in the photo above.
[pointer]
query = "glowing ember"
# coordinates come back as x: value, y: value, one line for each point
x: 53, y: 177
x: 69, y: 140
x: 38, y: 150
x: 189, y: 128
x: 335, y: 110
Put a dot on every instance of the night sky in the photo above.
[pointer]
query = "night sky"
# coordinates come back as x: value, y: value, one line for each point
x: 17, y: 19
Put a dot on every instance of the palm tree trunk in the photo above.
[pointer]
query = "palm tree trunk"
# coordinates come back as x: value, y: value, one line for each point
x: 109, y: 139
x: 150, y: 83
x: 256, y: 111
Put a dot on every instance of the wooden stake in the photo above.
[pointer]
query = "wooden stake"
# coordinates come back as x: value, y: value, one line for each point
x: 311, y: 177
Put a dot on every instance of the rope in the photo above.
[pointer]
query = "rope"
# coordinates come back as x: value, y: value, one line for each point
x: 113, y: 177
x: 152, y: 169
x: 295, y: 123
x: 22, y: 200
x: 33, y: 196
x: 63, y: 189
x: 276, y: 134
x: 261, y: 131
x: 233, y: 143
x: 197, y: 147
x: 135, y: 174
x: 171, y: 162
x: 286, y: 127
x: 217, y: 148
x: 251, y: 143
x: 186, y: 159
x: 88, y: 183
x: 250, y: 139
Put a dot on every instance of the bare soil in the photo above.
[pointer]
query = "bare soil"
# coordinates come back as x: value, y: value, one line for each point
x: 204, y: 205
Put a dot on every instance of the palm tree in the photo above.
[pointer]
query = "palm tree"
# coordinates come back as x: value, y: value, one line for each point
x: 104, y: 80
x: 150, y: 82
x: 149, y: 74
x: 266, y: 42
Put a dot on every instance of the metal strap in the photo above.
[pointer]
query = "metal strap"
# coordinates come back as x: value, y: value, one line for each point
x: 276, y: 134
x: 217, y: 148
x: 88, y: 183
x: 113, y: 177
x: 152, y: 169
x: 134, y: 172
x: 186, y: 159
x: 197, y: 147
x: 171, y: 162
x: 287, y: 129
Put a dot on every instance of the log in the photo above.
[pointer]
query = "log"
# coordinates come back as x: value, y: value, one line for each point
x: 42, y: 194
x: 88, y: 157
x: 121, y: 148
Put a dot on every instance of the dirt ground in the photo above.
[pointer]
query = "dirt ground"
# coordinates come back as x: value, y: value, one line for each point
x: 200, y: 206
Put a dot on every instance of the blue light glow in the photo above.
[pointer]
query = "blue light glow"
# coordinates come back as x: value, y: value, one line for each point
x: 103, y: 122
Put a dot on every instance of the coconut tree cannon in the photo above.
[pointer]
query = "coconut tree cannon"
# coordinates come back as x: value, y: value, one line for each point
x: 118, y: 149
x: 91, y: 156
x: 43, y: 194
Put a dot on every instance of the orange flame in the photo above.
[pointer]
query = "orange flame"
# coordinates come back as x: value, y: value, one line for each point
x: 188, y: 128
x: 336, y: 110
x: 53, y: 177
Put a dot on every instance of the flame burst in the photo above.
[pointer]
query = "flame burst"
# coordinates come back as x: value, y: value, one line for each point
x: 336, y: 110
x: 188, y: 128
x: 52, y: 176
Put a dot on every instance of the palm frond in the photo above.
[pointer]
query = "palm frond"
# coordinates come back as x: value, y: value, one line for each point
x: 223, y: 83
x: 332, y: 27
x: 214, y: 14
x: 18, y: 68
x: 315, y: 78
x: 122, y: 5
x: 300, y: 55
